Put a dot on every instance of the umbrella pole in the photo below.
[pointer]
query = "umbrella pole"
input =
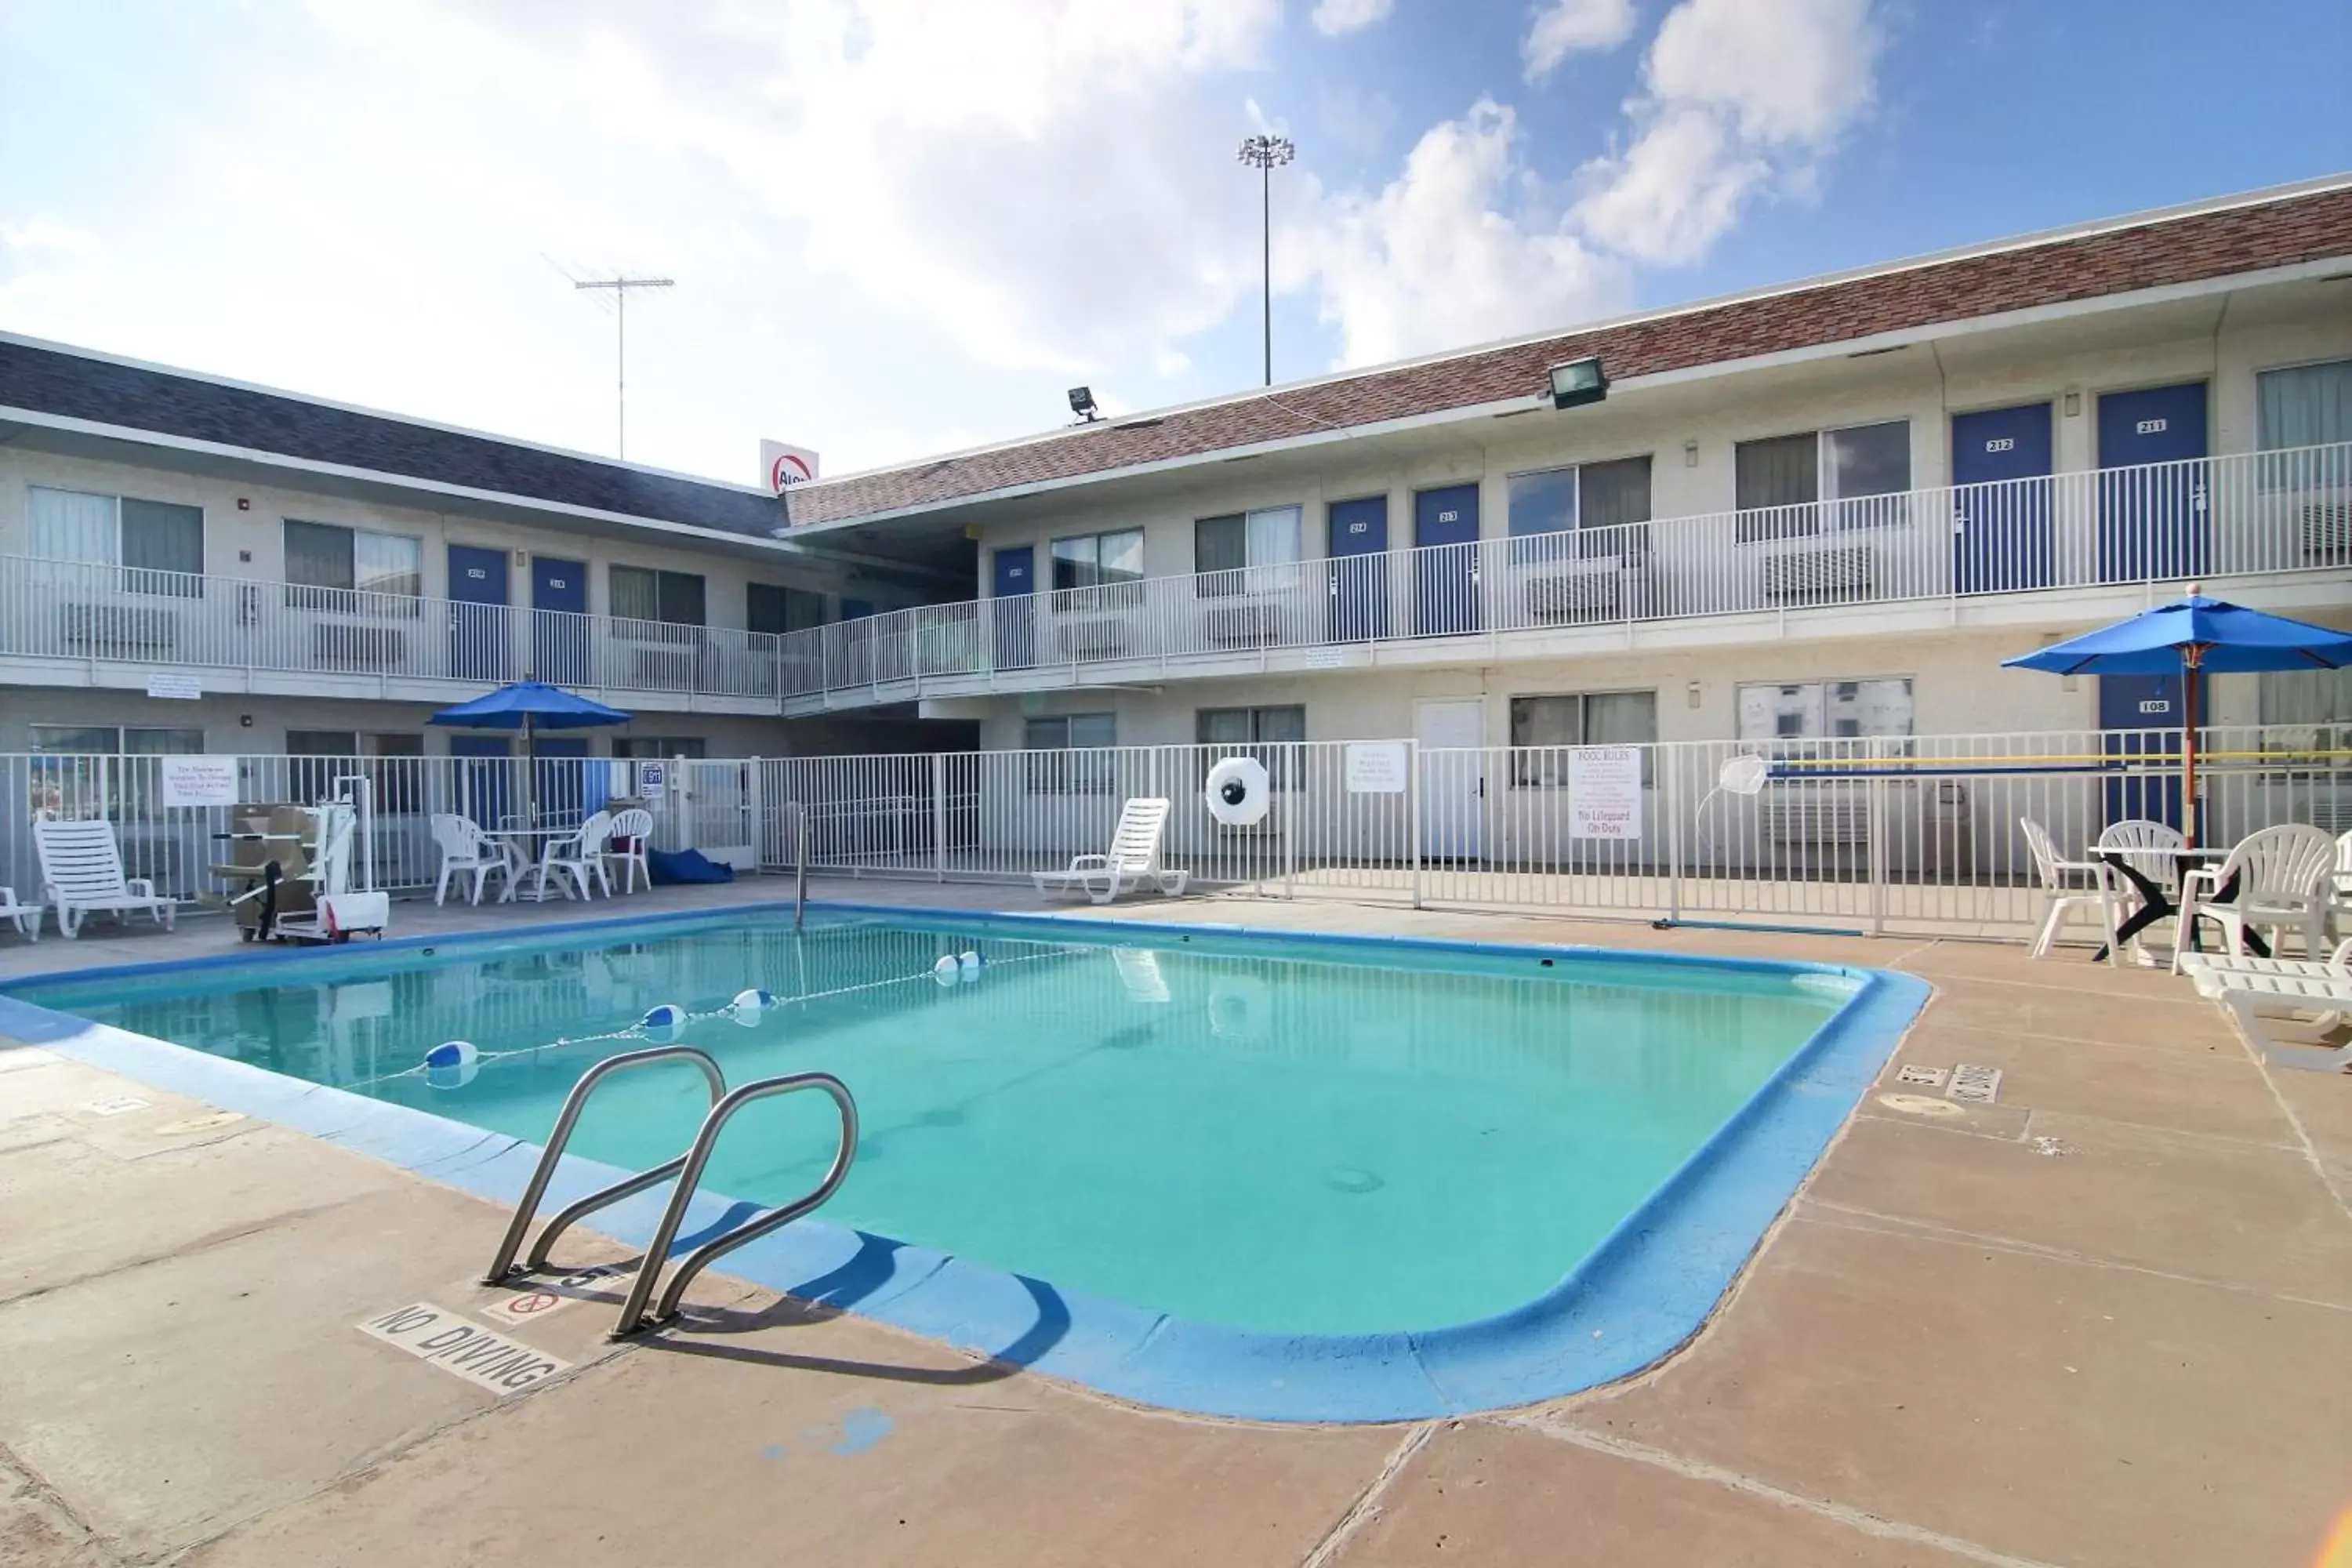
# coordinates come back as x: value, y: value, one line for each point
x: 529, y: 772
x: 2192, y: 660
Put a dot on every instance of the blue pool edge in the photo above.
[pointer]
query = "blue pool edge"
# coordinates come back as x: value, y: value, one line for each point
x: 1645, y: 1289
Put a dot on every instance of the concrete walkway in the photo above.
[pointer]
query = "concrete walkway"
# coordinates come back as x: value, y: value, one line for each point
x: 2105, y: 1321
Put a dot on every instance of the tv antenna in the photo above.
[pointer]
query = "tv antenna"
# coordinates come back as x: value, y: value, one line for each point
x: 620, y: 286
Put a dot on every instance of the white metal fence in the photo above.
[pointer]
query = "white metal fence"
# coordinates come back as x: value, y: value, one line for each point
x: 2162, y: 522
x: 1913, y: 835
x: 1920, y: 834
x: 708, y: 804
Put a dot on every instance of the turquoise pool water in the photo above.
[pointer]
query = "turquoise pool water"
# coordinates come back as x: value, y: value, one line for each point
x: 1282, y: 1135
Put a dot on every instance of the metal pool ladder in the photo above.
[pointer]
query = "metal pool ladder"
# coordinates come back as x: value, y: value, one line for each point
x: 687, y: 1167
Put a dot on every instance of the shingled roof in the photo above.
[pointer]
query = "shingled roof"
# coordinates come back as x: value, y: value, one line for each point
x: 2133, y: 254
x: 47, y: 379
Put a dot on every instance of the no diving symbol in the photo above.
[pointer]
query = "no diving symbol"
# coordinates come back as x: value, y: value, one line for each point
x: 537, y: 1302
x: 526, y: 1306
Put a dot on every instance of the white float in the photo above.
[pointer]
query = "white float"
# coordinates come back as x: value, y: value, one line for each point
x: 749, y: 1004
x: 947, y: 972
x: 664, y: 1021
x: 1238, y: 793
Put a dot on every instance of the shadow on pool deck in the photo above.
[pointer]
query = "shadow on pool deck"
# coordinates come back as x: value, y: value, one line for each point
x: 2102, y: 1321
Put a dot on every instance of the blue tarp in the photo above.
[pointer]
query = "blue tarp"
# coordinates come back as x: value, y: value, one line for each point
x: 669, y: 866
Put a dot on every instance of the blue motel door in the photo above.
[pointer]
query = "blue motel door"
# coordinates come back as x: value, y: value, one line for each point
x: 1359, y: 569
x: 1445, y: 581
x: 2141, y: 719
x: 2000, y: 509
x: 478, y: 648
x: 2153, y: 521
x: 558, y: 603
x: 1013, y: 605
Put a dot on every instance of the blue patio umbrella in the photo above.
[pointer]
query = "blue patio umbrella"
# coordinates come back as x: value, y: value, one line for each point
x: 529, y: 706
x: 2192, y: 636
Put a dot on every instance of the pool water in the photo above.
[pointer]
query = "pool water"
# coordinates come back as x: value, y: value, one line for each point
x: 1290, y: 1135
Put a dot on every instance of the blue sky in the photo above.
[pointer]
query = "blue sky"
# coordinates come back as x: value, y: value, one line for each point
x: 900, y: 229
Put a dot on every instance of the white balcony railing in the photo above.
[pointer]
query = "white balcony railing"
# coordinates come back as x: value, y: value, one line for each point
x: 68, y: 609
x: 2213, y: 518
x: 2166, y: 523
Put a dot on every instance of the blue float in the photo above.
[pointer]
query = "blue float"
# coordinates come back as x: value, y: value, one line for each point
x: 665, y: 1021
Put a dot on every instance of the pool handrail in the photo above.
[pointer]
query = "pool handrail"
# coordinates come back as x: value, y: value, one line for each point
x: 632, y: 1312
x: 503, y: 1265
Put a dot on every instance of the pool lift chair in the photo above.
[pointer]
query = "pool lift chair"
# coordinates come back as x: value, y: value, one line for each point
x: 687, y: 1168
x: 298, y: 859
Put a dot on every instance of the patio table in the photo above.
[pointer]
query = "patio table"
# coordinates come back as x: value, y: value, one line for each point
x: 2156, y: 902
x: 528, y: 854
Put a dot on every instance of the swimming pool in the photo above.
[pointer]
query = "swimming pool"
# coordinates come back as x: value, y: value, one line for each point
x: 1269, y: 1142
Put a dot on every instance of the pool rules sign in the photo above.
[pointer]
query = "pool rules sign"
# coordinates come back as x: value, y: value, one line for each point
x: 1604, y: 792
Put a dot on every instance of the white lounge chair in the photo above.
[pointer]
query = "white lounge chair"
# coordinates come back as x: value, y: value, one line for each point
x: 2072, y: 885
x: 466, y: 849
x: 25, y: 917
x: 81, y: 873
x: 625, y: 848
x: 2215, y: 973
x: 2288, y: 1018
x: 2282, y: 876
x: 1133, y: 860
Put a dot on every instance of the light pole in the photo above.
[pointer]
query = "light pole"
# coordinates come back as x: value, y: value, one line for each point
x: 1264, y: 153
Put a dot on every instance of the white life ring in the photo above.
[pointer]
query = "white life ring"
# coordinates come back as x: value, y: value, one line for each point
x: 1238, y: 792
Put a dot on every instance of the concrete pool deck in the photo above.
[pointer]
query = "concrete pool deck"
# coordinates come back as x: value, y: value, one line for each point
x: 2103, y: 1320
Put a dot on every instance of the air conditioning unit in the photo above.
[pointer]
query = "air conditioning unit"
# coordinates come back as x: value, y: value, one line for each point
x: 1825, y: 573
x: 1245, y: 626
x: 1081, y: 638
x: 341, y: 646
x: 2327, y: 533
x: 1576, y: 592
x: 1798, y: 814
x: 118, y: 631
x: 661, y: 668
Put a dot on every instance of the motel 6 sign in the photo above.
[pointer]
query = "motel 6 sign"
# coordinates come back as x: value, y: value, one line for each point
x: 786, y: 465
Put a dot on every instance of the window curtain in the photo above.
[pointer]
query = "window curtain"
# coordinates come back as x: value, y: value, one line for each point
x: 636, y: 593
x: 1273, y: 536
x: 1616, y: 493
x: 1221, y: 543
x: 2309, y: 405
x: 1782, y: 473
x: 157, y: 537
x: 69, y: 526
x: 318, y: 555
x: 387, y: 563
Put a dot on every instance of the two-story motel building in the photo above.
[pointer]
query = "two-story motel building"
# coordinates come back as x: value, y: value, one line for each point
x: 1825, y: 509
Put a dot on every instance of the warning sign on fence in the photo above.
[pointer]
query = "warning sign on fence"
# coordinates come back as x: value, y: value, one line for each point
x: 1604, y: 792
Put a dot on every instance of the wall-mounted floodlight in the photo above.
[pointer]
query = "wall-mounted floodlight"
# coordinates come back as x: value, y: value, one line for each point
x: 1578, y: 381
x: 1082, y: 404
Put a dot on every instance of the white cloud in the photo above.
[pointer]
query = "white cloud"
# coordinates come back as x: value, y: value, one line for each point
x: 1561, y: 27
x: 1435, y: 261
x: 1738, y: 94
x: 1333, y: 17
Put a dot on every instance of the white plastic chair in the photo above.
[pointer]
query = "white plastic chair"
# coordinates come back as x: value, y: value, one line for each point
x: 82, y: 871
x: 574, y: 855
x: 25, y: 917
x: 2072, y: 885
x: 2148, y: 847
x: 1133, y: 860
x: 631, y: 830
x: 2282, y: 875
x: 2340, y: 893
x: 464, y: 847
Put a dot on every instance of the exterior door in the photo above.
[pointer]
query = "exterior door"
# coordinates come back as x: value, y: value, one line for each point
x: 2142, y: 716
x: 2000, y: 522
x: 558, y: 628
x: 1453, y: 734
x: 1359, y: 569
x: 1015, y: 608
x: 479, y: 644
x: 482, y: 793
x: 1445, y: 572
x: 2152, y: 521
